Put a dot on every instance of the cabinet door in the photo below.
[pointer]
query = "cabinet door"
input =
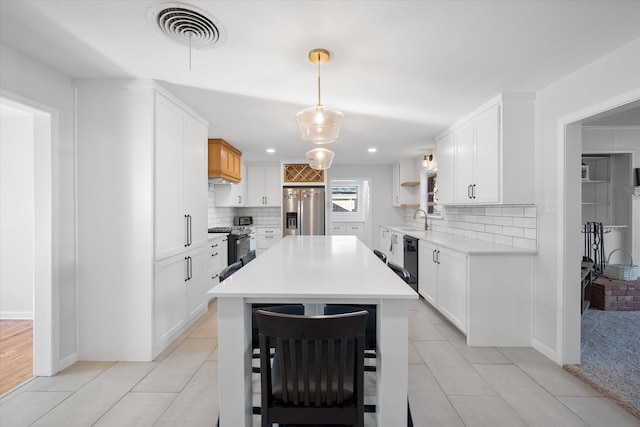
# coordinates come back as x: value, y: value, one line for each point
x: 272, y: 186
x: 464, y: 162
x: 428, y: 268
x: 197, y: 285
x: 355, y: 229
x: 487, y: 157
x: 239, y: 191
x: 395, y: 185
x: 338, y: 229
x: 452, y: 287
x: 171, y: 223
x: 169, y: 298
x: 255, y: 185
x: 385, y: 240
x: 397, y: 249
x: 446, y: 163
x: 195, y: 181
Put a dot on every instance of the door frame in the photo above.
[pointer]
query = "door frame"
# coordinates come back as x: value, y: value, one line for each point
x: 569, y: 134
x: 45, y: 296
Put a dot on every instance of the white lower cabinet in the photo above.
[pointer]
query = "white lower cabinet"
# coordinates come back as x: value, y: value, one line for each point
x: 348, y: 229
x: 217, y: 258
x: 267, y: 237
x: 487, y: 295
x: 396, y: 251
x: 443, y: 281
x: 428, y: 272
x: 452, y: 286
x: 385, y: 241
x: 180, y: 295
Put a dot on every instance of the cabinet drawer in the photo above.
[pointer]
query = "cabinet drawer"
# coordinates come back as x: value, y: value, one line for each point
x: 265, y: 242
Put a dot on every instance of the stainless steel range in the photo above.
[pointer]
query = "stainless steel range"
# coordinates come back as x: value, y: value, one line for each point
x: 238, y: 241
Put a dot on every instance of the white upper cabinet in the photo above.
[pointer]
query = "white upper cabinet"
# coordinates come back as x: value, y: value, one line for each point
x: 405, y: 186
x: 264, y: 187
x: 488, y: 157
x: 232, y: 195
x: 181, y: 179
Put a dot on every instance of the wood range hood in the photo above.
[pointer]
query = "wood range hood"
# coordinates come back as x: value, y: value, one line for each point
x: 224, y: 162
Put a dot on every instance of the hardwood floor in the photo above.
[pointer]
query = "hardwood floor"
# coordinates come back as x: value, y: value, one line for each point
x: 16, y: 353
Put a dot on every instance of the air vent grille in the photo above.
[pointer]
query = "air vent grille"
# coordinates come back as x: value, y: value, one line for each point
x: 186, y: 24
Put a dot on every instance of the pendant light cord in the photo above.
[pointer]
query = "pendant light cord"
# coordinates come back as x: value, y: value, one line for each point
x: 319, y: 103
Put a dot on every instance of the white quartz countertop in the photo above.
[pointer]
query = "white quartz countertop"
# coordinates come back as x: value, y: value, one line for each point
x: 311, y: 267
x: 460, y: 244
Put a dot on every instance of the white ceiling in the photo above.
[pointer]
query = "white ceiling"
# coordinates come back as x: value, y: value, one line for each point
x: 401, y: 71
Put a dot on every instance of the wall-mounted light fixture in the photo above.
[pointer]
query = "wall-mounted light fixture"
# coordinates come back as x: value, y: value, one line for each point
x: 426, y: 159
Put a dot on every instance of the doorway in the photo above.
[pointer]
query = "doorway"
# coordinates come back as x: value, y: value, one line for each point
x: 570, y: 130
x: 26, y: 194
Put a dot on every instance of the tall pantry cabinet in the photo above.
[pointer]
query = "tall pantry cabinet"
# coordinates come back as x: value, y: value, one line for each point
x: 142, y: 218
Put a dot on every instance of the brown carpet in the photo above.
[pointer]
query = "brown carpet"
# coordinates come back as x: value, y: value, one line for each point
x: 610, y: 356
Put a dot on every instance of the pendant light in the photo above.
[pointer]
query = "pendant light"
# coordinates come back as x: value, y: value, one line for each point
x: 320, y: 158
x: 318, y: 124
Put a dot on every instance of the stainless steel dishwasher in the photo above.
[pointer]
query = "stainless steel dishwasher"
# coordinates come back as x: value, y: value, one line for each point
x: 411, y: 260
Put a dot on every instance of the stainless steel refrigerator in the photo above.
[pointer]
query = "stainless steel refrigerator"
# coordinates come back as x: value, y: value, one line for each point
x: 303, y: 211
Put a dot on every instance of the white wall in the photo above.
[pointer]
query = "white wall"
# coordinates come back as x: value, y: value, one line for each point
x: 16, y: 215
x: 31, y: 80
x: 382, y: 211
x: 613, y: 75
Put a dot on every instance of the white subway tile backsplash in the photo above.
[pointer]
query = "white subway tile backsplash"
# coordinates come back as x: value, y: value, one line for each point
x: 513, y: 211
x: 513, y: 231
x: 524, y: 243
x: 503, y: 220
x: 504, y: 240
x: 486, y: 237
x: 494, y: 229
x: 530, y: 212
x: 476, y: 227
x: 493, y: 211
x: 485, y: 220
x: 511, y: 225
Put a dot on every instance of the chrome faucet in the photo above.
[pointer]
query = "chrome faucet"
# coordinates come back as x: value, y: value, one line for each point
x: 426, y: 224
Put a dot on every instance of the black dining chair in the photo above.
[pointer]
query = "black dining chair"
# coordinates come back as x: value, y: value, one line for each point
x: 229, y: 270
x: 380, y: 255
x: 400, y: 271
x: 248, y: 257
x: 317, y: 374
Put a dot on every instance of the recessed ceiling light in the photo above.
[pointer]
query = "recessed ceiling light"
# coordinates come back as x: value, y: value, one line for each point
x: 372, y: 150
x: 271, y: 150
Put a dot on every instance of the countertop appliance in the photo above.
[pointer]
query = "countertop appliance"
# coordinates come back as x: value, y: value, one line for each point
x: 411, y: 260
x: 243, y: 220
x: 303, y: 211
x: 238, y: 241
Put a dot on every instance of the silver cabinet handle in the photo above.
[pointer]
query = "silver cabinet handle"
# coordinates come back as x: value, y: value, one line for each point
x: 469, y: 190
x: 239, y: 200
x: 186, y: 231
x: 214, y: 246
x: 473, y: 191
x: 186, y: 266
x: 438, y: 257
x: 214, y: 254
x: 433, y: 256
x: 213, y: 277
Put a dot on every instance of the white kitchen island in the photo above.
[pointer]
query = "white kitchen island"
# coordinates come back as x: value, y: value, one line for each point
x: 313, y: 270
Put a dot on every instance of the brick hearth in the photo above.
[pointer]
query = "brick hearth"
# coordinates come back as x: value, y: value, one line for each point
x: 615, y: 295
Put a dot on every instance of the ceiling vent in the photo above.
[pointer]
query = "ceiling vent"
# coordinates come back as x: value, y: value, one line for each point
x: 186, y: 24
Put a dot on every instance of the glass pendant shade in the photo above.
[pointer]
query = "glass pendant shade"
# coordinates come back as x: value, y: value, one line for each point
x: 319, y: 125
x: 320, y: 158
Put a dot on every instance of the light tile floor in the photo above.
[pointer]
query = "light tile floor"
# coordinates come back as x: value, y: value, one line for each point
x: 450, y: 385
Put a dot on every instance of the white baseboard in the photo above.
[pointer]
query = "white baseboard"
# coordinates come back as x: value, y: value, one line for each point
x: 547, y: 351
x: 65, y: 362
x: 16, y: 315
